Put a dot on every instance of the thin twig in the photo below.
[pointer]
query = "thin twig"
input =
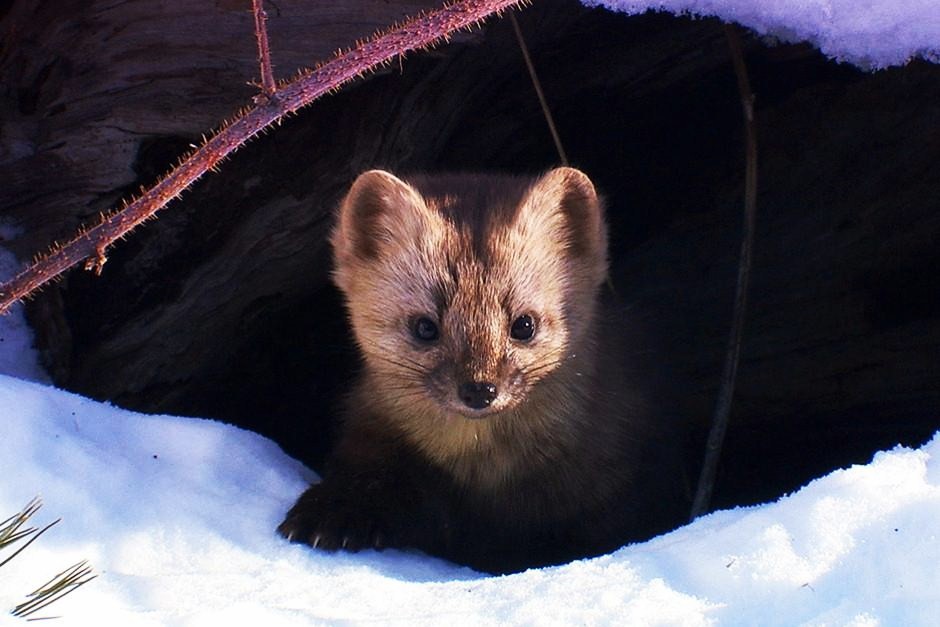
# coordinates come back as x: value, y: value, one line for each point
x: 716, y: 436
x: 264, y: 52
x: 91, y: 243
x: 546, y: 111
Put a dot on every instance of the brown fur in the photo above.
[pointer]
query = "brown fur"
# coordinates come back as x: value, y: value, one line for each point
x: 563, y: 462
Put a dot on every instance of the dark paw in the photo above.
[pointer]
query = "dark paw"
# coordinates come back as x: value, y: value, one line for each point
x: 330, y: 521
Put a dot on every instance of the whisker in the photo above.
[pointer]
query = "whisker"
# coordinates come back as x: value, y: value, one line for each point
x: 402, y: 362
x: 404, y: 395
x: 549, y: 361
x: 397, y: 387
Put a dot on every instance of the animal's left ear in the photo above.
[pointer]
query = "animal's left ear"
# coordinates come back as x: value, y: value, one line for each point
x: 565, y: 202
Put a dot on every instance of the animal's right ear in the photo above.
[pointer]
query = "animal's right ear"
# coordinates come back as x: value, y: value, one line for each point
x: 379, y: 209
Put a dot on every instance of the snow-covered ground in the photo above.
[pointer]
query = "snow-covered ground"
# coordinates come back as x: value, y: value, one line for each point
x: 177, y: 515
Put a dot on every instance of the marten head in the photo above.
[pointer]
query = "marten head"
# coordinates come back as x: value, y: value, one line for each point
x: 468, y: 292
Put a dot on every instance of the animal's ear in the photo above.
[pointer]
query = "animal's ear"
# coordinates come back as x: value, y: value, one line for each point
x: 379, y: 209
x: 564, y: 205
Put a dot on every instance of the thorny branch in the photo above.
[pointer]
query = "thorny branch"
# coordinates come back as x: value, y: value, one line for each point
x: 90, y: 244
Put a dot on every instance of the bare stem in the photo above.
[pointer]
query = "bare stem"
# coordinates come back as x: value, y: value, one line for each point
x: 716, y: 436
x: 537, y: 85
x: 90, y: 243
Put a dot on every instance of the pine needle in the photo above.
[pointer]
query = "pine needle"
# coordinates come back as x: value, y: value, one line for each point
x: 69, y: 580
x: 10, y: 530
x: 13, y: 530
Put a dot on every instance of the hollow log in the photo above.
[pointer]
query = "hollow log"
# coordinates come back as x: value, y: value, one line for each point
x: 223, y: 306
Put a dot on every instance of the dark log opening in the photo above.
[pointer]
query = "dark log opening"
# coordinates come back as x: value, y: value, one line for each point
x: 223, y: 308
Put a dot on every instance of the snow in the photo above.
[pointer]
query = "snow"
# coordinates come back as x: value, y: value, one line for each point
x: 17, y: 356
x: 872, y: 34
x: 177, y: 515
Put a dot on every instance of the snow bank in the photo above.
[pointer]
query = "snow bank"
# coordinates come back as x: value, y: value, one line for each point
x: 17, y: 356
x: 869, y: 33
x: 178, y: 516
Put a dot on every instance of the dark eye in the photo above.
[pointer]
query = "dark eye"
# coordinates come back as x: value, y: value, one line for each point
x: 424, y: 329
x: 523, y: 328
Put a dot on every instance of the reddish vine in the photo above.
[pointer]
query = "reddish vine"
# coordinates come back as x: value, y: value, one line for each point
x: 273, y: 103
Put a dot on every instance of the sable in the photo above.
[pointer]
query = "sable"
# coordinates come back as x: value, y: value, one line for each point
x: 493, y: 422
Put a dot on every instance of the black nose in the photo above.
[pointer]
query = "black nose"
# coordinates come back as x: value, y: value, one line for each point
x: 477, y: 394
